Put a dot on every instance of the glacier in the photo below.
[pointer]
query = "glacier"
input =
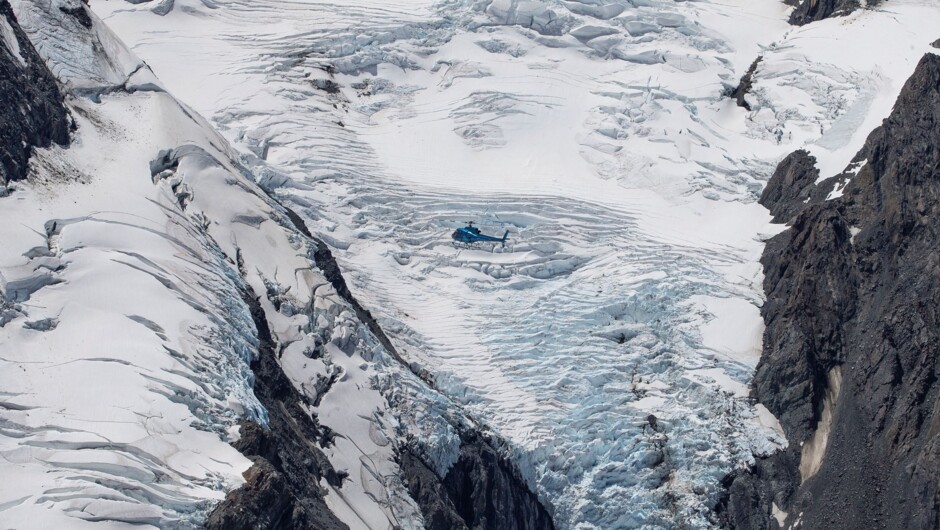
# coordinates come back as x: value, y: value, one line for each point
x: 606, y: 350
x: 610, y: 344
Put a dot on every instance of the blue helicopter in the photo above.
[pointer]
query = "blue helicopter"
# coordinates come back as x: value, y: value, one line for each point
x: 470, y: 235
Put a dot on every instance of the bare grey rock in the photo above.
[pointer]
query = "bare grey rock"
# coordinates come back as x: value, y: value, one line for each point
x: 813, y: 10
x: 739, y: 92
x: 791, y: 186
x: 32, y: 112
x: 854, y: 284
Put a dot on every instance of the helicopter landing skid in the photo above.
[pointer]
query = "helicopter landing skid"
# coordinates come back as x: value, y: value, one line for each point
x: 460, y: 245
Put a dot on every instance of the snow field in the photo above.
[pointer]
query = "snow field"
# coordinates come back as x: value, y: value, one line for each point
x: 126, y: 371
x: 599, y: 136
x: 124, y: 334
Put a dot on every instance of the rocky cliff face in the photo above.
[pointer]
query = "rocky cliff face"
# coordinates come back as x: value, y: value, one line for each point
x: 31, y: 108
x: 481, y: 491
x: 850, y: 362
x: 791, y: 186
x: 812, y: 10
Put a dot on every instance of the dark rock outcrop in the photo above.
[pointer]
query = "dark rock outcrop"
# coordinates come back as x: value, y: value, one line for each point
x: 853, y: 288
x: 282, y: 489
x: 751, y: 494
x: 482, y: 491
x: 811, y: 285
x: 32, y: 112
x: 739, y: 92
x: 80, y: 12
x: 812, y: 10
x: 791, y: 186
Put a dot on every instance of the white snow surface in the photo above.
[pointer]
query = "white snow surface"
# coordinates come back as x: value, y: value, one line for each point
x: 595, y: 132
x: 125, y: 340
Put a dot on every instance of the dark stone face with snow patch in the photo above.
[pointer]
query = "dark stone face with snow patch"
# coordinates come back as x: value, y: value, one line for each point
x: 814, y: 10
x: 32, y: 113
x: 853, y: 286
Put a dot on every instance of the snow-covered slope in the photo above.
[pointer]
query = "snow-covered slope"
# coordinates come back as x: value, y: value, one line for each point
x: 127, y: 339
x: 124, y: 347
x: 610, y: 344
x: 606, y: 351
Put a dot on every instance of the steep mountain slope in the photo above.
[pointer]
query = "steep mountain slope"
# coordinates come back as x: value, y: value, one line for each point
x: 161, y: 311
x: 850, y: 350
x: 31, y: 107
x: 608, y: 348
x: 259, y: 320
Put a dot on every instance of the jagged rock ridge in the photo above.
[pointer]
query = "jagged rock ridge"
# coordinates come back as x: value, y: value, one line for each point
x: 282, y: 489
x: 850, y: 348
x: 482, y: 490
x: 740, y: 92
x: 31, y: 107
x: 813, y: 10
x: 790, y: 187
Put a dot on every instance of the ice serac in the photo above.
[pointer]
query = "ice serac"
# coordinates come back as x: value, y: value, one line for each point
x: 850, y: 350
x: 482, y: 490
x: 282, y: 487
x: 813, y: 10
x: 31, y: 108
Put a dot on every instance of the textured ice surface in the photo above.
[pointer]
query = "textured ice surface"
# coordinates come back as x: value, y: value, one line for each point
x: 125, y: 341
x: 610, y: 344
x: 88, y: 60
x: 125, y: 365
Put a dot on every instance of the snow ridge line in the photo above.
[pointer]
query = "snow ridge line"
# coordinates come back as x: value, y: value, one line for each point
x: 478, y: 447
x: 325, y: 261
x: 282, y: 488
x: 481, y: 472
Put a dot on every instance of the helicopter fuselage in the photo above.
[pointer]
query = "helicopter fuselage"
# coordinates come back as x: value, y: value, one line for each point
x: 471, y: 234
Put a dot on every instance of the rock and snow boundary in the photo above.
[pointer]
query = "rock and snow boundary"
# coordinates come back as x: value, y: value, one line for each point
x: 125, y: 347
x: 599, y: 135
x: 147, y: 280
x: 152, y: 293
